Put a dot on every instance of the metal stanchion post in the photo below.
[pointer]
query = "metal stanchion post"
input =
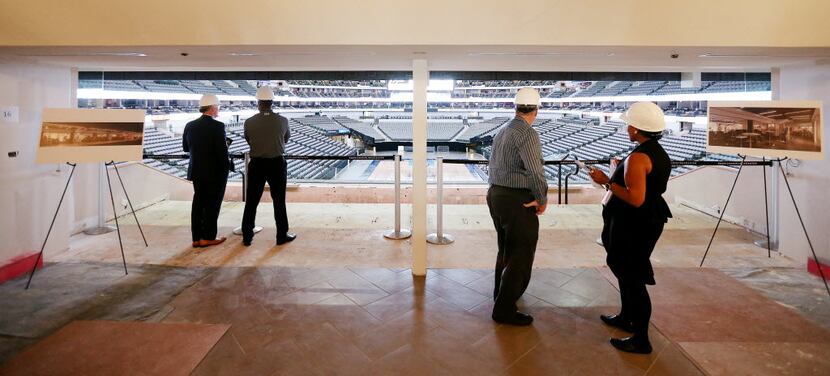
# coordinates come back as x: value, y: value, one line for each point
x: 397, y: 233
x: 440, y: 237
x: 247, y: 155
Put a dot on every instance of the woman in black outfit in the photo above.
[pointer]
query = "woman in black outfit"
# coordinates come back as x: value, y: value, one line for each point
x: 633, y: 218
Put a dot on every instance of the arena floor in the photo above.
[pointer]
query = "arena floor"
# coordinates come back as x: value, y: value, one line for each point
x: 341, y: 300
x: 384, y: 171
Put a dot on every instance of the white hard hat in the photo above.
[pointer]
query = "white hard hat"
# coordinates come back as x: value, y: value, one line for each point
x: 208, y: 100
x: 527, y: 96
x: 645, y: 116
x: 264, y: 93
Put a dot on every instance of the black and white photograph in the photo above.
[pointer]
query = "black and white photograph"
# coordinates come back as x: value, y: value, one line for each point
x: 90, y: 135
x: 766, y: 129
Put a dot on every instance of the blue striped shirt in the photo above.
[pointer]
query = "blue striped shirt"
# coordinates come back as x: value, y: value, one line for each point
x: 516, y: 160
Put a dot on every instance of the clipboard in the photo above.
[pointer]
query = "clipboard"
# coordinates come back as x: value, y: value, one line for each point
x: 582, y: 166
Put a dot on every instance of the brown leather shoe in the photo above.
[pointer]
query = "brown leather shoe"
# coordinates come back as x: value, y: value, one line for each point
x: 197, y: 244
x: 208, y: 243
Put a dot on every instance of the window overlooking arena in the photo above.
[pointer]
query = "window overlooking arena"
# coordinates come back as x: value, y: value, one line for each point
x: 578, y: 118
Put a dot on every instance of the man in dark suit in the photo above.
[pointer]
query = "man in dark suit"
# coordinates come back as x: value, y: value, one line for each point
x: 204, y: 138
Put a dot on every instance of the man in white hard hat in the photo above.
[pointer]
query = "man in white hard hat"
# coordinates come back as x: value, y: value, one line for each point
x: 517, y: 195
x: 633, y: 219
x: 204, y: 138
x: 266, y: 133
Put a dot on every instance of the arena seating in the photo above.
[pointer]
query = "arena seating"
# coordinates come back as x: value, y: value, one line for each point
x: 122, y: 86
x: 563, y: 140
x: 246, y: 87
x: 643, y: 88
x: 322, y: 123
x: 615, y: 88
x: 228, y: 88
x: 334, y: 90
x: 163, y: 86
x: 437, y: 130
x: 673, y: 87
x: 201, y: 87
x: 482, y: 129
x: 363, y: 129
x: 592, y: 90
x: 443, y: 130
x: 736, y: 86
x: 304, y: 141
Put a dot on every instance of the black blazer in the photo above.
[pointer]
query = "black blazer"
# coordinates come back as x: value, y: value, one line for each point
x: 204, y: 139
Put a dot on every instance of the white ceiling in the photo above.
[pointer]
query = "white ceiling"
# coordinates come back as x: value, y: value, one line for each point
x: 444, y: 58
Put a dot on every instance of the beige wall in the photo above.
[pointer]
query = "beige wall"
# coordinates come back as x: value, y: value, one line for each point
x: 810, y: 181
x: 145, y: 185
x: 769, y: 23
x: 706, y: 189
x: 29, y: 192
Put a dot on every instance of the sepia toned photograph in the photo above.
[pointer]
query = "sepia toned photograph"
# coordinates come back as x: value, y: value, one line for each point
x: 91, y: 134
x: 776, y: 129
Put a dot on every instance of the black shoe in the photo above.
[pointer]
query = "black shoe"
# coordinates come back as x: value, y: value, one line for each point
x: 632, y: 345
x: 618, y: 322
x: 289, y: 237
x: 518, y: 319
x: 247, y: 241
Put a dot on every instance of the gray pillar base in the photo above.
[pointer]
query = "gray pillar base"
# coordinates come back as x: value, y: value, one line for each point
x: 444, y: 240
x: 99, y: 230
x: 397, y: 235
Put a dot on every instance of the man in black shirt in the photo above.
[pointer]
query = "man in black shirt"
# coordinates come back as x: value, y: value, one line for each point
x: 266, y: 133
x: 204, y: 138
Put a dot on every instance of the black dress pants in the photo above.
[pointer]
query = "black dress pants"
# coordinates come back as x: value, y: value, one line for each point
x: 517, y: 228
x: 207, y: 200
x: 629, y: 241
x: 275, y: 172
x: 636, y: 306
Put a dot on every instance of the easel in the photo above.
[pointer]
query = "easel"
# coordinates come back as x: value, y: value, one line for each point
x: 766, y: 206
x: 115, y: 215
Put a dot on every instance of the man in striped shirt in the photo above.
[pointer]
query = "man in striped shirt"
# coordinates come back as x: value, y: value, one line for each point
x: 517, y: 195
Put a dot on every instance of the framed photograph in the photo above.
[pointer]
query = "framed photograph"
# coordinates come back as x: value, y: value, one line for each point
x: 90, y: 135
x: 773, y: 129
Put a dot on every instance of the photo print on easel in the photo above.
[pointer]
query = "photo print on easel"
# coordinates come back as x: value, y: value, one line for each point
x: 772, y: 129
x: 90, y: 135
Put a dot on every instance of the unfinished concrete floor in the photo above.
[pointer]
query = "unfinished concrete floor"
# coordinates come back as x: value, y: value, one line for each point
x: 341, y: 300
x: 333, y: 235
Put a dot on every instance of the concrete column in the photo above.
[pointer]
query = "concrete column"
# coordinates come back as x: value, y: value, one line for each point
x: 420, y: 77
x: 774, y: 176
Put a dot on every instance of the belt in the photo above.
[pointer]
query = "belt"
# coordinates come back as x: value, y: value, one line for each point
x: 510, y: 189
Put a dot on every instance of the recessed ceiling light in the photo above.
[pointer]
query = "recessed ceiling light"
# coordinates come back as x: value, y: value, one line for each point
x: 542, y: 53
x: 302, y: 53
x: 710, y: 55
x: 127, y: 54
x: 137, y: 54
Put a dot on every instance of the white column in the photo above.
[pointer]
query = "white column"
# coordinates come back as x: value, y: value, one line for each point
x: 420, y: 77
x: 774, y: 203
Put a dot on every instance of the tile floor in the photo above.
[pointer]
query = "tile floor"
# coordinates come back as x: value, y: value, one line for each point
x: 341, y: 300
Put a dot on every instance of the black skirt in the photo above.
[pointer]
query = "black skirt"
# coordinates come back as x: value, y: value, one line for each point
x: 629, y: 240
